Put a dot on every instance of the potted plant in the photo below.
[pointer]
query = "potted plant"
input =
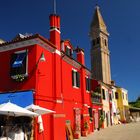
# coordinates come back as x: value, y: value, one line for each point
x: 101, y: 120
x: 85, y: 129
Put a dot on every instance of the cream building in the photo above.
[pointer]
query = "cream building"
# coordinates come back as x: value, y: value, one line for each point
x: 106, y: 105
x: 115, y: 116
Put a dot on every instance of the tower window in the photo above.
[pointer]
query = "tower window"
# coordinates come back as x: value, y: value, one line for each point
x: 105, y: 42
x: 75, y: 78
x: 98, y: 40
x: 93, y: 42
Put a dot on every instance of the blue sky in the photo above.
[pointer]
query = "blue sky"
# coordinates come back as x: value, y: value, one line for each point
x: 122, y: 18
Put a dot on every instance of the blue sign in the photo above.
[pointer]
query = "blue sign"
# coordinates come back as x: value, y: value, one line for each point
x: 22, y: 99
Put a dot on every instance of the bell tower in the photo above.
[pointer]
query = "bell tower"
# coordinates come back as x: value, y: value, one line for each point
x: 100, y: 55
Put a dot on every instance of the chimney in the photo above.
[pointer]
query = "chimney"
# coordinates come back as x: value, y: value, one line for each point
x: 80, y: 55
x: 55, y: 30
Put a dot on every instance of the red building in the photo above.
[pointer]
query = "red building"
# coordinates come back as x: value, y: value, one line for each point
x: 42, y: 71
x: 97, y: 106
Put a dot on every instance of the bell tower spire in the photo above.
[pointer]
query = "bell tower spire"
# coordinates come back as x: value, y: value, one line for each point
x: 100, y: 54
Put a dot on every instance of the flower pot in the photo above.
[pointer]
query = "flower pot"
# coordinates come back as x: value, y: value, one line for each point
x: 76, y: 135
x: 84, y: 133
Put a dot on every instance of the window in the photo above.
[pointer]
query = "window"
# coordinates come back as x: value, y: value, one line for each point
x: 19, y: 63
x: 116, y: 95
x: 122, y: 95
x: 126, y: 96
x: 93, y: 42
x: 68, y: 51
x: 107, y: 96
x: 98, y: 40
x: 87, y: 83
x: 112, y: 95
x: 103, y: 94
x: 75, y: 78
x: 105, y: 42
x: 90, y: 112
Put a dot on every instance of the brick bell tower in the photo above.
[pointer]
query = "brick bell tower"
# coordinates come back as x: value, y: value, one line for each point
x: 100, y: 54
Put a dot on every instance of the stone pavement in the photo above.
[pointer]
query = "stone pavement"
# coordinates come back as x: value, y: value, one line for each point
x: 120, y: 132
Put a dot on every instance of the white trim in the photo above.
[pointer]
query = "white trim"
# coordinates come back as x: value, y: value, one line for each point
x: 22, y: 51
x: 87, y: 91
x: 57, y: 52
x: 68, y: 47
x: 59, y: 101
x: 85, y: 105
x: 27, y: 43
x: 55, y: 29
x: 75, y: 87
x: 74, y: 69
x: 18, y: 45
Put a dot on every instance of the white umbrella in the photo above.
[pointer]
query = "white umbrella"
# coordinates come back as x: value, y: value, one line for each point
x: 11, y: 109
x: 39, y: 110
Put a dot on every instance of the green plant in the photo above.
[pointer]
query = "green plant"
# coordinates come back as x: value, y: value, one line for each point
x: 86, y: 125
x: 101, y: 120
x: 19, y: 78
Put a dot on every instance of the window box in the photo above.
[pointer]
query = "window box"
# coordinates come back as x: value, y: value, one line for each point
x: 19, y: 77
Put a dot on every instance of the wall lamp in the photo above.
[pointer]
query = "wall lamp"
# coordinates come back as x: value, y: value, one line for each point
x: 41, y: 59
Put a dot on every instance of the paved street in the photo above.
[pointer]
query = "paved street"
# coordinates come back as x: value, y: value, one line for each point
x: 120, y: 132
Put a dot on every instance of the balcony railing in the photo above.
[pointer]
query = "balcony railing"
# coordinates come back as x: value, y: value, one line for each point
x: 96, y: 98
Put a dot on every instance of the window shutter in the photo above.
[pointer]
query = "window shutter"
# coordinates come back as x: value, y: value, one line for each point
x: 90, y: 112
x: 72, y: 78
x: 78, y: 79
x: 88, y: 84
x: 103, y: 93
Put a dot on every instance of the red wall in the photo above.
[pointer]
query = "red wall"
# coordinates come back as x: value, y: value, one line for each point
x: 52, y: 84
x: 6, y: 82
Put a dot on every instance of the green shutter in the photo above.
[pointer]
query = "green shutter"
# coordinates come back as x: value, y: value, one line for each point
x: 77, y: 79
x: 72, y: 78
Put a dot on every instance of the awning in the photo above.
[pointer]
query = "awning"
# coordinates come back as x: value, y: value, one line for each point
x: 19, y: 60
x: 22, y: 99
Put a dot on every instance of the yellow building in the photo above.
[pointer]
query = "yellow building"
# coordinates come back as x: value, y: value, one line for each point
x: 121, y: 96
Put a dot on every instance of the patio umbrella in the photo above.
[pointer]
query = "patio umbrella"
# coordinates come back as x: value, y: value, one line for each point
x: 39, y: 110
x: 11, y: 109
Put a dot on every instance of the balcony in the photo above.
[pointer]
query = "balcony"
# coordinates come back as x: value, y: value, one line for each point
x: 96, y: 98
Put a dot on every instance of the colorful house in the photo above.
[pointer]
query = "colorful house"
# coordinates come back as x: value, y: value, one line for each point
x: 115, y: 113
x: 42, y: 71
x: 97, y: 106
x: 122, y: 104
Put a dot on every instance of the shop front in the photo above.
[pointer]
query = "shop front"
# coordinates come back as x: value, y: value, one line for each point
x: 16, y: 122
